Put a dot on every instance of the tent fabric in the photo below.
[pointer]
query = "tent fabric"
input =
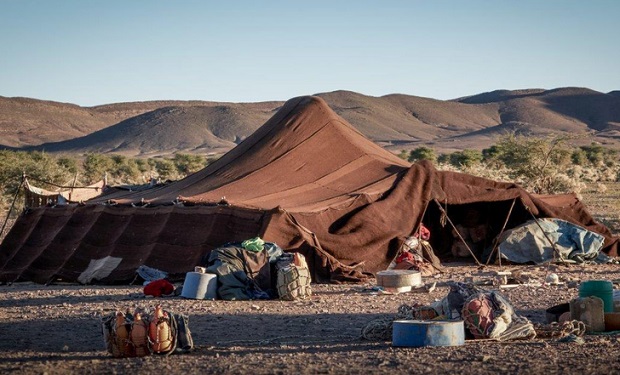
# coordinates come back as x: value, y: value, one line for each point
x: 306, y: 180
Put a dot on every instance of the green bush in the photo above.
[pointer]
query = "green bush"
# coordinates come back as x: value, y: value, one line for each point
x: 579, y: 157
x: 96, y: 166
x: 166, y: 169
x: 422, y: 153
x: 594, y: 153
x: 403, y: 154
x: 188, y: 163
x: 443, y: 158
x: 540, y: 164
x: 466, y: 158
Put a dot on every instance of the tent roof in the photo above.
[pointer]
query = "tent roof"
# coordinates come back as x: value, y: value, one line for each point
x: 305, y: 158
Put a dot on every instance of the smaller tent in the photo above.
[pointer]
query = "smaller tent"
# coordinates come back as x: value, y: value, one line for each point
x: 36, y: 197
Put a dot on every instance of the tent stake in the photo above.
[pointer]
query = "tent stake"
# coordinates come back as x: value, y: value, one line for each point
x: 8, y: 215
x: 457, y: 233
x: 496, y: 245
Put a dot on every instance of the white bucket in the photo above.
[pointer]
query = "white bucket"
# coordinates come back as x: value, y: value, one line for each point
x: 200, y: 285
x: 399, y: 281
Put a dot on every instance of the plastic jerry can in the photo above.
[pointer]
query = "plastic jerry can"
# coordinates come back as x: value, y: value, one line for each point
x: 590, y: 311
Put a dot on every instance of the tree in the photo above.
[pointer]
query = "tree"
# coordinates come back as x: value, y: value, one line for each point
x: 422, y: 153
x: 69, y: 164
x: 466, y: 158
x: 579, y: 157
x: 403, y: 154
x: 540, y: 163
x: 143, y: 166
x: 188, y: 163
x: 594, y: 153
x: 443, y: 158
x: 166, y: 169
x: 96, y: 166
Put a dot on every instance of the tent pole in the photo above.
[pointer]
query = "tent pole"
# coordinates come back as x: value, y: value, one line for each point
x: 421, y: 245
x: 8, y: 215
x: 458, y: 234
x: 420, y: 223
x: 496, y: 245
x: 555, y: 249
x: 73, y: 186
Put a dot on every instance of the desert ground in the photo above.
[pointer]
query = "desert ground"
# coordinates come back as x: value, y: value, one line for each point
x: 56, y: 329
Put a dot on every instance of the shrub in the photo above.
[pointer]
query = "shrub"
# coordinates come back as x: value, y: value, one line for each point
x: 403, y: 154
x: 579, y: 157
x: 443, y: 158
x: 595, y: 153
x: 96, y: 166
x: 40, y: 167
x: 188, y: 163
x: 466, y: 158
x: 166, y: 169
x: 422, y: 153
x: 541, y: 163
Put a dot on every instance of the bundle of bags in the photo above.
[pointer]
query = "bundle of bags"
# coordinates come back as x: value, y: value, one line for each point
x: 293, y: 277
x: 255, y: 269
x: 144, y: 332
x: 486, y: 314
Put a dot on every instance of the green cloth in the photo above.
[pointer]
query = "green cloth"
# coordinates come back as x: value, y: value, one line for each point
x: 253, y: 244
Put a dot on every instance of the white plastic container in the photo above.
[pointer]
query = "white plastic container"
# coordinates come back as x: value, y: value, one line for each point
x: 200, y: 285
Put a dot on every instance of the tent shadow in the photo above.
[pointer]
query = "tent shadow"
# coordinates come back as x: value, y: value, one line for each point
x: 67, y: 300
x: 356, y: 345
x: 84, y: 334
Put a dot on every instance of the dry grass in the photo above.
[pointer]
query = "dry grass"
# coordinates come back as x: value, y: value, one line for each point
x: 604, y: 204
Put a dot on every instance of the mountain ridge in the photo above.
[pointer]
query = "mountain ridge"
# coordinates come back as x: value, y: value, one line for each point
x: 394, y: 121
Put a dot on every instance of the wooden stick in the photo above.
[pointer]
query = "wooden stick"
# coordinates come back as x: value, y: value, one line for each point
x: 8, y: 215
x: 555, y: 249
x: 496, y: 245
x: 457, y: 232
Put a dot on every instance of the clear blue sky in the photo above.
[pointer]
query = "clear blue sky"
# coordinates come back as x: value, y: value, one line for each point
x: 98, y: 52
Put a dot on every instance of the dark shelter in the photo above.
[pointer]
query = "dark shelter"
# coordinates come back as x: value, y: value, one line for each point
x: 306, y: 180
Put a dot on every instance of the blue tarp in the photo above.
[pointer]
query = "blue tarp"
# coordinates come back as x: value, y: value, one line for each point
x: 527, y: 243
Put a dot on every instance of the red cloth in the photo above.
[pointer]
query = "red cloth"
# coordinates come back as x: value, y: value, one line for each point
x: 405, y: 256
x: 424, y: 233
x: 158, y: 288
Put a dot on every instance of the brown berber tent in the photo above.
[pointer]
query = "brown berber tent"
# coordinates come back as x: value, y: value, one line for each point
x: 306, y: 180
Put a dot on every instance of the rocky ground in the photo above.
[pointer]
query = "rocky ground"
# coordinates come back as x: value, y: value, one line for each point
x: 56, y: 329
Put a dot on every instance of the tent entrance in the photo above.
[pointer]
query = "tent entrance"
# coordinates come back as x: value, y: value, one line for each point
x: 478, y: 224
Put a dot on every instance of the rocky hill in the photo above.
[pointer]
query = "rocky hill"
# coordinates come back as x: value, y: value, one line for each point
x: 394, y: 121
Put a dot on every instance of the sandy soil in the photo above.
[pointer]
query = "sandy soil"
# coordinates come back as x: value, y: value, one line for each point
x: 55, y: 329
